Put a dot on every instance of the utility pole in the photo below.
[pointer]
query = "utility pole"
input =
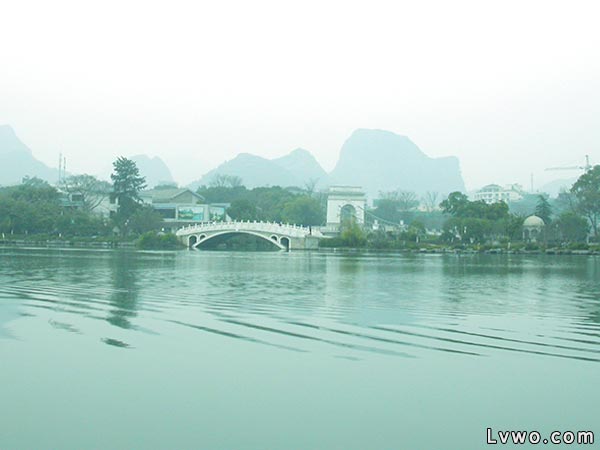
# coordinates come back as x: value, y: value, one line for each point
x: 62, y: 168
x: 532, y: 182
x: 59, y: 168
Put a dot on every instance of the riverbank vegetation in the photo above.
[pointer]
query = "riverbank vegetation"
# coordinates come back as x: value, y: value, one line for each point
x: 271, y: 204
x: 151, y: 240
x: 34, y: 211
x: 570, y: 224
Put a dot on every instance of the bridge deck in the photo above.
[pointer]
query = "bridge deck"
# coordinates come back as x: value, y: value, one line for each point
x: 256, y: 226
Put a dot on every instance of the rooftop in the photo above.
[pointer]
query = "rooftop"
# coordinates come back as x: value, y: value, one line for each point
x: 167, y: 195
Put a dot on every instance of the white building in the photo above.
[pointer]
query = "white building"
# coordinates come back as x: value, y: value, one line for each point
x: 493, y: 193
x: 177, y: 207
x: 345, y: 202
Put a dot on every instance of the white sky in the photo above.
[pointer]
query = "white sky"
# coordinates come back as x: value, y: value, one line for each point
x: 510, y: 87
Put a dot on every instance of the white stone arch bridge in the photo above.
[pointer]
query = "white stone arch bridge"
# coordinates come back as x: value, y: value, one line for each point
x: 284, y: 236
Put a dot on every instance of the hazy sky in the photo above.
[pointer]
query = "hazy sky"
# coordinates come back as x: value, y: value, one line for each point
x: 510, y: 87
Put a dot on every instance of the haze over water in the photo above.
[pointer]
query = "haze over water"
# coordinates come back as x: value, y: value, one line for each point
x: 122, y: 350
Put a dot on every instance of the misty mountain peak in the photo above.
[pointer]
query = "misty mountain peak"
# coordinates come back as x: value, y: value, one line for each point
x: 17, y: 161
x: 363, y: 141
x: 301, y: 153
x: 9, y: 142
x: 154, y: 169
x: 294, y: 169
x: 380, y: 160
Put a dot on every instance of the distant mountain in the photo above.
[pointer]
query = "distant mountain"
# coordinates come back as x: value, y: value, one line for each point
x: 377, y: 160
x: 295, y: 169
x: 17, y: 161
x: 553, y: 188
x: 253, y: 170
x: 304, y: 166
x: 380, y: 160
x: 154, y: 169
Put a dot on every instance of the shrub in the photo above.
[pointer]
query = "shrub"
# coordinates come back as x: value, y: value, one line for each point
x: 577, y: 246
x: 155, y: 241
x: 331, y: 242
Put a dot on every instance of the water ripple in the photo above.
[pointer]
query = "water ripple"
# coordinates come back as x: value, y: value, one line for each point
x: 393, y: 306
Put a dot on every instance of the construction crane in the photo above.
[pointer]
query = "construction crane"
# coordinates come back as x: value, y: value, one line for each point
x: 586, y: 167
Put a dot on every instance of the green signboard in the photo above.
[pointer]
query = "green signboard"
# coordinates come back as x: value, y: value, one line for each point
x: 192, y: 213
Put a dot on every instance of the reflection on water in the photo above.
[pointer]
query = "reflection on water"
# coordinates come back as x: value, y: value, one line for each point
x: 356, y: 302
x: 215, y: 315
x: 124, y: 298
x: 360, y: 303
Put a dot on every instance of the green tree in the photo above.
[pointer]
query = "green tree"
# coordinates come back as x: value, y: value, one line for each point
x: 511, y: 227
x: 242, y: 209
x: 127, y: 184
x: 158, y: 241
x: 407, y: 200
x: 270, y: 202
x: 81, y: 223
x: 35, y: 207
x: 352, y: 235
x: 35, y: 182
x: 222, y: 194
x: 429, y: 200
x: 31, y: 207
x: 495, y: 211
x: 223, y: 180
x: 145, y: 219
x: 564, y: 202
x: 543, y: 209
x: 572, y: 227
x: 587, y: 191
x: 387, y: 209
x: 303, y: 210
x: 35, y: 190
x: 92, y: 190
x: 456, y: 204
x: 404, y: 200
x: 476, y: 222
x: 417, y: 228
x: 475, y: 230
x: 165, y: 186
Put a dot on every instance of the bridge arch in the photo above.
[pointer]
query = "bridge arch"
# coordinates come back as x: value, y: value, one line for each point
x: 285, y: 243
x: 278, y: 244
x: 192, y: 240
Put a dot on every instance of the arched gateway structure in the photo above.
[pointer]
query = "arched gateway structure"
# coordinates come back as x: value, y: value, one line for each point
x: 284, y: 236
x: 345, y: 203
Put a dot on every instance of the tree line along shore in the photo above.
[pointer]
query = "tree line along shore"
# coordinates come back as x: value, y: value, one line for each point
x: 35, y: 213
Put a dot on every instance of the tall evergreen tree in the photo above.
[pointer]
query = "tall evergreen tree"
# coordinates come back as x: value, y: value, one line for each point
x: 543, y: 209
x: 127, y: 184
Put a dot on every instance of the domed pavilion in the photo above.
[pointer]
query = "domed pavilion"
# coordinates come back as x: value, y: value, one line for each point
x: 532, y: 228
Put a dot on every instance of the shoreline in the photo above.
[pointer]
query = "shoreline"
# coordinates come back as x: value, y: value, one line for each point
x: 22, y: 243
x: 65, y: 244
x: 452, y: 251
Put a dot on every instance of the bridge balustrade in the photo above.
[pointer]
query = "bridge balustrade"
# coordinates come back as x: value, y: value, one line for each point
x: 273, y: 227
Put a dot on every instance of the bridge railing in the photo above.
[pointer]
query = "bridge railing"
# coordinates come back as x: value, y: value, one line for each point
x: 250, y: 225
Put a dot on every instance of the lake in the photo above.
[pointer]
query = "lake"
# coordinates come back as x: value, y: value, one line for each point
x: 231, y: 350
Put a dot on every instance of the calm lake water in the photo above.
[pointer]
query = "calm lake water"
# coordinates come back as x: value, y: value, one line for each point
x: 218, y: 350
